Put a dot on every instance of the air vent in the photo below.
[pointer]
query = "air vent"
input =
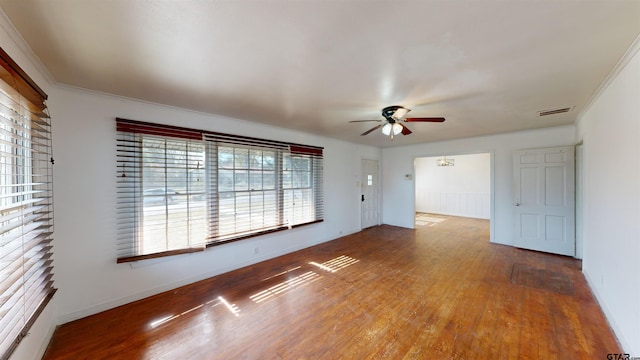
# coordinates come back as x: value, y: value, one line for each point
x: 554, y: 111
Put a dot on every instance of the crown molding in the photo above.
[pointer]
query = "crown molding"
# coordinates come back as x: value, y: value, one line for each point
x: 613, y: 74
x: 25, y: 49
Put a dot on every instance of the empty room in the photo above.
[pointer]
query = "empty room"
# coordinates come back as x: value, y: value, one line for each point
x: 319, y: 180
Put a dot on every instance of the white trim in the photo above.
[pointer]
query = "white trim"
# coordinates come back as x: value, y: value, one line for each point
x: 94, y: 309
x: 285, y: 138
x: 608, y: 315
x: 23, y: 46
x: 620, y: 65
x: 579, y: 199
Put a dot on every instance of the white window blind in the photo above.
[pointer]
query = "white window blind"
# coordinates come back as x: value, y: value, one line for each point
x: 181, y: 190
x: 26, y: 214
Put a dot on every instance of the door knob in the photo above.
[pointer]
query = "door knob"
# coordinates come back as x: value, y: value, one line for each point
x: 517, y: 204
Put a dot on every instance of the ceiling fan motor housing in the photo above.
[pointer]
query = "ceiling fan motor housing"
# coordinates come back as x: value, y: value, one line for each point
x: 389, y: 111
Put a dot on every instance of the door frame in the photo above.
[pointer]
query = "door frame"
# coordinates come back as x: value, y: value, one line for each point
x: 492, y: 211
x: 378, y: 191
x: 579, y: 199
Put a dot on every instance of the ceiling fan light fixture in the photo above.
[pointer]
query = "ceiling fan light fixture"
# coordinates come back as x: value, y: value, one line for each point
x: 386, y: 129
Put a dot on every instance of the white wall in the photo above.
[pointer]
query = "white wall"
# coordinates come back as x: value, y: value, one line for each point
x: 610, y: 129
x: 85, y: 203
x: 398, y: 193
x: 448, y: 190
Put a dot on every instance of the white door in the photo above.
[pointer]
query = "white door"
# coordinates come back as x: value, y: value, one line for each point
x: 544, y: 200
x: 369, y: 199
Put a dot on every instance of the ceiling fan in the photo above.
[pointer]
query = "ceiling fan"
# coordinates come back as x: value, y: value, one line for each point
x: 394, y: 116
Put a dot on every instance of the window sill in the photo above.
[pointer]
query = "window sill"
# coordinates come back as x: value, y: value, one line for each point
x: 158, y: 256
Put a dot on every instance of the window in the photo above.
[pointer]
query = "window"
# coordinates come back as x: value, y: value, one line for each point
x: 181, y: 190
x: 298, y: 185
x: 246, y: 190
x: 173, y: 184
x: 26, y: 213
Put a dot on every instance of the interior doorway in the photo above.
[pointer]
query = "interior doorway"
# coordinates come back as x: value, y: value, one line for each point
x: 458, y: 185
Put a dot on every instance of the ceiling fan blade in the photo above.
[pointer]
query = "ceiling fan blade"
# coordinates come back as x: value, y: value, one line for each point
x: 405, y: 130
x: 425, y: 119
x: 357, y: 121
x: 370, y: 130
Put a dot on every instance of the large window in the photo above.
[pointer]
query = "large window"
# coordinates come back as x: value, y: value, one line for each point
x: 26, y: 216
x: 181, y: 190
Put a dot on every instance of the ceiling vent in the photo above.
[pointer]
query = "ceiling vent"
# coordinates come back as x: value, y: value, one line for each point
x: 554, y: 111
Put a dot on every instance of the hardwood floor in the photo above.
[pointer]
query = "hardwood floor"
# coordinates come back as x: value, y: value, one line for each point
x: 438, y: 292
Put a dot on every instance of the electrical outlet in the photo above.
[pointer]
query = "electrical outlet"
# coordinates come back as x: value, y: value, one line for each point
x: 256, y: 250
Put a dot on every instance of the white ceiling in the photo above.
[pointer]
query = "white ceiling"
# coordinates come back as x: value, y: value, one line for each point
x: 487, y: 66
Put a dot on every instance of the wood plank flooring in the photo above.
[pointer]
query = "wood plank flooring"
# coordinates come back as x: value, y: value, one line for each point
x: 441, y: 291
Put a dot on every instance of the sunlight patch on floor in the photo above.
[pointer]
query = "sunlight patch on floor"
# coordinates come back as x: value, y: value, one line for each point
x: 285, y: 286
x: 166, y: 319
x: 336, y: 264
x: 423, y: 219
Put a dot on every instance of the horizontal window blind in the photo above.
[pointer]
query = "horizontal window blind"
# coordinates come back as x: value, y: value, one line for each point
x: 26, y: 211
x: 262, y: 186
x: 302, y: 187
x: 161, y: 191
x: 182, y: 189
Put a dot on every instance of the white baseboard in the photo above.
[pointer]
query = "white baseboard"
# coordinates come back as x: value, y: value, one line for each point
x: 609, y: 316
x: 64, y: 318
